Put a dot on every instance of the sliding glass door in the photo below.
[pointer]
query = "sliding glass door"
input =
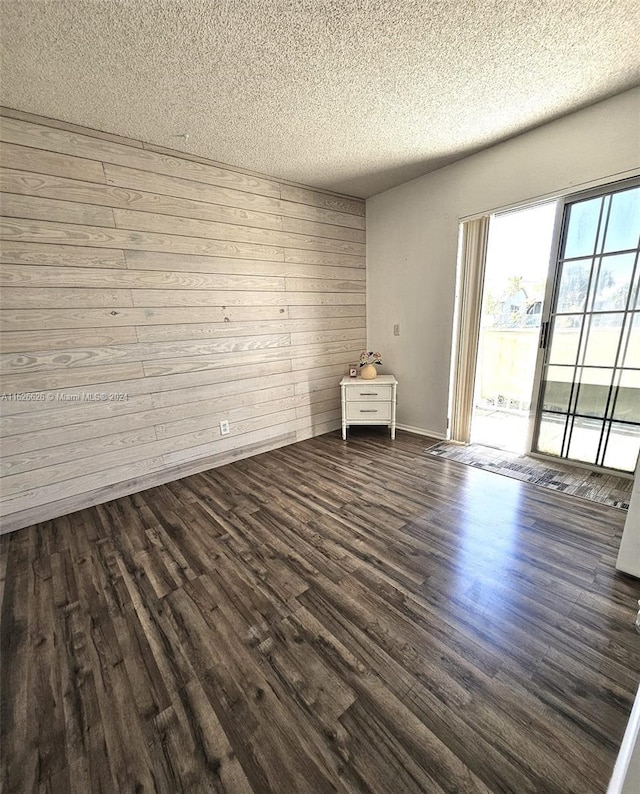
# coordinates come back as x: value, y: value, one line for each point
x: 589, y: 396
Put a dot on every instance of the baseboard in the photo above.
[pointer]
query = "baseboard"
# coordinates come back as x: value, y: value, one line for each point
x: 419, y: 431
x: 71, y: 504
x: 47, y: 512
x: 626, y: 772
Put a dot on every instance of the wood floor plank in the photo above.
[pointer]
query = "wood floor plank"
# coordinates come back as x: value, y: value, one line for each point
x: 326, y: 617
x: 194, y: 741
x: 47, y: 744
x: 14, y: 660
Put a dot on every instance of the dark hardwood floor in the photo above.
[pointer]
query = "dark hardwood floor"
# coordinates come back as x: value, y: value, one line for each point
x: 326, y: 617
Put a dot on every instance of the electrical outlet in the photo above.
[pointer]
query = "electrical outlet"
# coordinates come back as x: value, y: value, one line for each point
x: 224, y: 427
x: 396, y: 330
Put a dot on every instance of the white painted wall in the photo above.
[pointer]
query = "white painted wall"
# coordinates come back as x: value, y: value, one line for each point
x: 629, y: 554
x: 412, y: 235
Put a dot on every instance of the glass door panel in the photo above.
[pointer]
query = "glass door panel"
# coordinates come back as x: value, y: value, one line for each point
x: 566, y: 339
x: 557, y: 389
x: 582, y: 230
x: 517, y: 264
x: 627, y: 404
x: 584, y: 439
x: 593, y: 392
x: 589, y: 404
x: 614, y: 283
x: 574, y: 283
x: 602, y: 339
x: 551, y: 431
x: 623, y: 224
x: 632, y: 352
x: 622, y: 449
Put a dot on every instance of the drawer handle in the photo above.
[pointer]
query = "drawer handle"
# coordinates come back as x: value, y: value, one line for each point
x: 368, y: 393
x: 369, y: 411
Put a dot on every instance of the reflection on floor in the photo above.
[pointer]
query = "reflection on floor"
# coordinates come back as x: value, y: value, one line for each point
x: 600, y: 487
x: 507, y: 429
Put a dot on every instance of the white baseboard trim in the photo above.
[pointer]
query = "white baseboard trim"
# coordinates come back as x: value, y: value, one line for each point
x: 419, y: 431
x: 626, y: 773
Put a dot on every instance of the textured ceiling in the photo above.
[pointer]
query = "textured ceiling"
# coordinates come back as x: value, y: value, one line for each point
x: 353, y: 96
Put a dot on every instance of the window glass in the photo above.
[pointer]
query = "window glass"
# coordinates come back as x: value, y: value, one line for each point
x: 550, y: 434
x: 623, y: 447
x: 623, y: 226
x: 574, y: 285
x: 614, y: 283
x: 582, y: 228
x: 603, y: 340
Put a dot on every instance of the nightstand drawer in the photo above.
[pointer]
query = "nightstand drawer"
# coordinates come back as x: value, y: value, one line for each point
x: 374, y: 412
x: 362, y: 393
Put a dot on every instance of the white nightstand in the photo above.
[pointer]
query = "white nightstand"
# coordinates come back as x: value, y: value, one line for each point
x: 369, y: 402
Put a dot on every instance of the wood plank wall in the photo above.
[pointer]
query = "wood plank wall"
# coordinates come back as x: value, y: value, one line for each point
x: 185, y: 291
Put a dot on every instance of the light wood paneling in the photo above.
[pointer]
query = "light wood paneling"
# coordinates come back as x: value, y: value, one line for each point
x: 28, y: 341
x: 206, y: 384
x: 17, y: 229
x: 298, y: 357
x: 332, y: 327
x: 46, y: 361
x: 24, y: 432
x: 37, y: 416
x: 173, y: 186
x: 152, y: 222
x: 322, y: 258
x: 323, y: 230
x: 312, y: 312
x: 22, y: 115
x: 87, y: 146
x: 35, y: 277
x: 142, y: 414
x: 27, y: 461
x: 55, y: 187
x: 316, y: 198
x: 145, y: 297
x: 26, y: 159
x: 19, y: 206
x: 235, y: 414
x: 176, y: 396
x: 332, y: 335
x: 62, y: 255
x: 323, y: 285
x: 80, y: 376
x: 19, y: 298
x: 210, y: 386
x: 25, y: 319
x: 145, y: 260
x: 187, y: 297
x: 63, y: 469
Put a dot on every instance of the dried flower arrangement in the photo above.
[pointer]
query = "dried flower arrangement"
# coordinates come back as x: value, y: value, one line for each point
x: 370, y: 358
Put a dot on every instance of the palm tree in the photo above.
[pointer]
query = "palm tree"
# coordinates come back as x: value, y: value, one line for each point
x: 515, y: 284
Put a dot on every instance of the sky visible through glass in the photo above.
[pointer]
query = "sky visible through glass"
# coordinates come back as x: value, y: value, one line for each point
x: 520, y: 245
x: 517, y: 264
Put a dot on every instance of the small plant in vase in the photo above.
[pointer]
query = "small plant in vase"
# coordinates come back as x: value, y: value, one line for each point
x: 368, y: 363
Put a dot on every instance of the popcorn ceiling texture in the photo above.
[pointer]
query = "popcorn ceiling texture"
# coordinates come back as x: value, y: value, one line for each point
x: 353, y: 96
